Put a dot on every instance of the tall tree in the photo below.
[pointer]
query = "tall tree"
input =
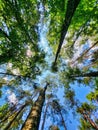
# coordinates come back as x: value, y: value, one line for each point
x: 71, y: 7
x: 85, y: 110
x: 33, y: 120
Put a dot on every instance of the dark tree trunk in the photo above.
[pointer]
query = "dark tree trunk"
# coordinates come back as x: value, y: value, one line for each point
x: 71, y: 7
x: 33, y: 120
x: 91, y: 74
x: 63, y: 122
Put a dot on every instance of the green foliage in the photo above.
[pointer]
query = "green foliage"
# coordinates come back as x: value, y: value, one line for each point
x: 96, y: 83
x: 86, y: 80
x: 56, y: 12
x: 86, y: 107
x: 85, y: 18
x: 69, y: 74
x: 93, y: 96
x: 3, y: 110
x: 85, y: 125
x: 83, y: 27
x: 19, y: 34
x: 70, y: 96
x: 87, y: 110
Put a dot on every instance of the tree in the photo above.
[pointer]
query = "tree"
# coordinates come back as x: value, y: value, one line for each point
x: 33, y: 118
x: 85, y: 110
x: 14, y: 118
x: 71, y: 7
x: 56, y: 106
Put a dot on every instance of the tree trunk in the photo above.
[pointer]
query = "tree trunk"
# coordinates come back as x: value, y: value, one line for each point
x: 91, y: 74
x: 63, y: 122
x: 13, y: 119
x: 58, y: 108
x: 44, y: 118
x: 93, y: 124
x: 71, y: 7
x: 33, y: 120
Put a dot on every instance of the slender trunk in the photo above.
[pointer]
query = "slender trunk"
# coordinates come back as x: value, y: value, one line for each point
x: 63, y: 122
x: 33, y: 120
x: 44, y: 118
x: 13, y: 119
x: 93, y: 124
x: 91, y: 74
x: 10, y: 112
x: 71, y: 7
x: 58, y: 108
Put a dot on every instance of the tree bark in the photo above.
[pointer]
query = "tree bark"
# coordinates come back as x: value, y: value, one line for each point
x: 71, y: 7
x: 91, y: 74
x: 93, y: 124
x: 33, y: 120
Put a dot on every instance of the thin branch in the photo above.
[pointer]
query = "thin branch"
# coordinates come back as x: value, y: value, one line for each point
x: 85, y: 52
x: 10, y: 74
x: 90, y: 74
x: 90, y: 65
